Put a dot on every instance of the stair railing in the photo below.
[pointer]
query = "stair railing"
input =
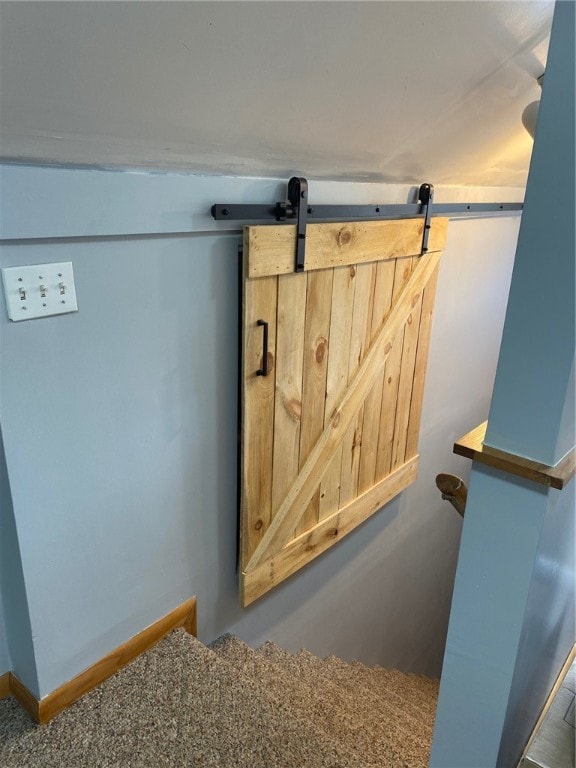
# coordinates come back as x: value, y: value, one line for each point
x: 454, y: 490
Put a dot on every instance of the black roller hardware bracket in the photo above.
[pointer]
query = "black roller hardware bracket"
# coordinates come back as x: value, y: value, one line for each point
x: 298, y: 197
x: 426, y: 197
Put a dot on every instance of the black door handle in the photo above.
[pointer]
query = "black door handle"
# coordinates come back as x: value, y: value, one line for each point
x: 264, y: 370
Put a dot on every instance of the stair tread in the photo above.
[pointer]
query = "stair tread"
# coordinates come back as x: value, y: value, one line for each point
x: 421, y: 692
x: 324, y: 710
x: 418, y: 692
x: 405, y: 723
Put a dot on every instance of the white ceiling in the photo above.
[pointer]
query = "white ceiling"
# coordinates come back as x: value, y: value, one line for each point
x: 387, y: 91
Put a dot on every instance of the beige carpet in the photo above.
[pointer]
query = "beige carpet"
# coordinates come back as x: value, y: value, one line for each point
x: 183, y: 704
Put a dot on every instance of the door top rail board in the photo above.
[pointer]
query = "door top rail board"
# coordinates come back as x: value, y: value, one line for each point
x: 270, y: 249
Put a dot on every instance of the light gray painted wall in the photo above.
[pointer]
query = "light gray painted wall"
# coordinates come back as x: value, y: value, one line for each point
x: 547, y: 634
x: 549, y: 629
x: 5, y: 663
x: 529, y: 425
x: 15, y: 633
x: 124, y: 487
x: 512, y: 618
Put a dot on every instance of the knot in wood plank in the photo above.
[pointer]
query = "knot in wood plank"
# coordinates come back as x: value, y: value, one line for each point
x: 344, y: 237
x: 321, y: 347
x: 293, y: 408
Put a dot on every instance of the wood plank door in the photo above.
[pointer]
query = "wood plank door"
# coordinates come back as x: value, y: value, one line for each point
x: 330, y: 412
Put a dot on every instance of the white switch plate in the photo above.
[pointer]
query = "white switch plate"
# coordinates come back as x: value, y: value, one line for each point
x: 39, y: 290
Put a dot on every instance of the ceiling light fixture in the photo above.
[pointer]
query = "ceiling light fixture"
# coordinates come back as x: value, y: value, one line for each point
x: 530, y: 114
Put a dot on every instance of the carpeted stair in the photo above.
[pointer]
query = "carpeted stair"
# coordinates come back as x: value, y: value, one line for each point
x: 227, y: 706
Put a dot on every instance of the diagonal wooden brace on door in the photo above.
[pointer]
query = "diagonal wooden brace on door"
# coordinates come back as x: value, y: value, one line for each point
x: 287, y: 517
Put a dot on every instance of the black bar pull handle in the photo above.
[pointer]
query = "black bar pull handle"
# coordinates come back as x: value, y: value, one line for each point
x: 264, y: 370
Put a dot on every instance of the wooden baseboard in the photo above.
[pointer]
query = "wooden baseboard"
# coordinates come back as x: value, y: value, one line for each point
x: 43, y: 710
x: 4, y: 685
x: 26, y: 699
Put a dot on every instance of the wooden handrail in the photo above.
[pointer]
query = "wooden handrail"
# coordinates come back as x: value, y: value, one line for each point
x: 454, y: 490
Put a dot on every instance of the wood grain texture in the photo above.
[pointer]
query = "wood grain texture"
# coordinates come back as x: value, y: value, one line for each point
x: 257, y: 428
x: 405, y: 382
x: 454, y: 490
x: 308, y: 546
x: 302, y: 490
x: 359, y: 345
x: 391, y: 381
x: 48, y: 707
x: 271, y: 248
x: 288, y: 398
x: 316, y: 346
x: 349, y: 357
x: 427, y: 311
x: 343, y: 288
x: 472, y: 446
x: 26, y: 699
x: 373, y: 404
x: 4, y: 685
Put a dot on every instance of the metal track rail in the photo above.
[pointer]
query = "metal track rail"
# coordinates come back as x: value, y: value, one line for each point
x: 299, y: 210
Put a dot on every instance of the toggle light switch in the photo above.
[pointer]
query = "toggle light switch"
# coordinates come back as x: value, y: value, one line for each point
x: 39, y: 290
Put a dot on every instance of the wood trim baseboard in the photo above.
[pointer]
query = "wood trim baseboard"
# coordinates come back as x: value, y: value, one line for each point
x: 27, y: 700
x: 43, y: 710
x: 4, y: 685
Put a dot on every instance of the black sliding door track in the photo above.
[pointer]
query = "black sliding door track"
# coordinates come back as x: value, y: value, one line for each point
x: 298, y: 210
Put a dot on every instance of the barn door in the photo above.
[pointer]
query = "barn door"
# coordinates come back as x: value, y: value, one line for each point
x: 334, y: 360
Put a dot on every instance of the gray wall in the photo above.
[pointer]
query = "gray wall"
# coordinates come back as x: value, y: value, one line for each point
x: 5, y: 663
x: 544, y: 427
x: 120, y: 427
x: 539, y: 336
x: 16, y: 644
x: 512, y: 619
x: 546, y: 634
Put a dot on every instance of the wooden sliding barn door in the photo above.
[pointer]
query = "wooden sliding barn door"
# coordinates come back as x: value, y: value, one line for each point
x: 330, y: 412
